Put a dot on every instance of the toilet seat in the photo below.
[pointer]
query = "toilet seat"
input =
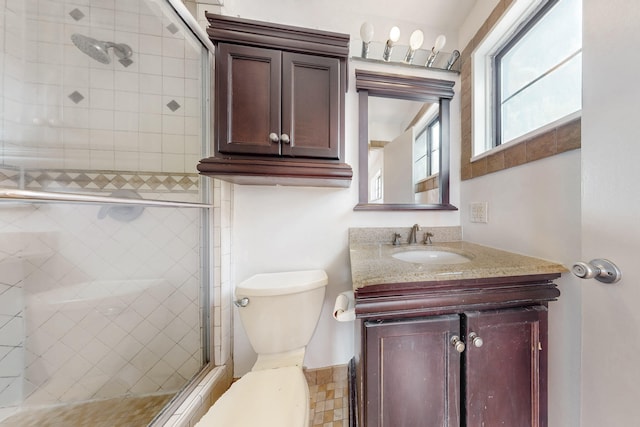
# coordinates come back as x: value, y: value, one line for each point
x: 267, y: 398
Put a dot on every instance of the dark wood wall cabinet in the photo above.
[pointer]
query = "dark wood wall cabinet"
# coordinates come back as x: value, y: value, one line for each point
x: 471, y: 353
x: 279, y: 97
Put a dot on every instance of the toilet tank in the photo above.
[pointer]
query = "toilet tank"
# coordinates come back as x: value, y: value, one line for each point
x: 283, y: 309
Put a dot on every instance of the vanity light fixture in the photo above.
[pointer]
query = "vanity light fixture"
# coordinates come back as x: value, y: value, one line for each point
x: 394, y: 36
x: 416, y: 53
x: 366, y: 34
x: 437, y: 46
x: 415, y: 43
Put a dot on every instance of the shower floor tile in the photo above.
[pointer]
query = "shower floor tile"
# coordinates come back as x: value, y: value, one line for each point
x: 328, y: 390
x: 123, y: 412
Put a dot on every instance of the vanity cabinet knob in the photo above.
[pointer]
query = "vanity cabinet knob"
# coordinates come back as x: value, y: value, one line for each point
x: 273, y: 137
x: 457, y: 344
x: 475, y: 340
x: 285, y: 138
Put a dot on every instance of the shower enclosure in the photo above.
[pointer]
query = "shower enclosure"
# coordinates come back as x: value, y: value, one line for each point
x: 104, y: 220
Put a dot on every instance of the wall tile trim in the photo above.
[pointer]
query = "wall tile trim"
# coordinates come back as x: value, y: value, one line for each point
x: 78, y: 180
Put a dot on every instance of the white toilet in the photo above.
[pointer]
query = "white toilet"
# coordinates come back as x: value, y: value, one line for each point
x: 280, y: 316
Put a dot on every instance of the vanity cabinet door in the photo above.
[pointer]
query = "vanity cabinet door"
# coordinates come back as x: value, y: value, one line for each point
x: 412, y: 373
x: 248, y: 99
x: 505, y: 376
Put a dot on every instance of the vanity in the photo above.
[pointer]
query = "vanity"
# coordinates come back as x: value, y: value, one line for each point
x: 449, y: 333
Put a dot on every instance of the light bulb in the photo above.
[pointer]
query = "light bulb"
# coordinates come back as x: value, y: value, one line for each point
x: 439, y: 44
x: 394, y: 34
x: 416, y: 39
x: 366, y: 32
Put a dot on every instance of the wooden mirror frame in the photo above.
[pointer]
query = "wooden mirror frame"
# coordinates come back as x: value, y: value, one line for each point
x: 370, y: 83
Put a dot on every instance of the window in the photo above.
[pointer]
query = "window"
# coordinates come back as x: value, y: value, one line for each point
x: 434, y: 146
x: 534, y: 72
x: 376, y: 187
x: 538, y: 72
x: 427, y: 151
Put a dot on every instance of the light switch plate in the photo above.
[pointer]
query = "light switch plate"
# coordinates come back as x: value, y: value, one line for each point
x: 479, y: 212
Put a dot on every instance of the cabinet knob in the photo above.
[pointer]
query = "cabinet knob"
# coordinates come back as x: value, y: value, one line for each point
x: 457, y: 344
x: 285, y: 138
x: 274, y: 137
x: 475, y: 339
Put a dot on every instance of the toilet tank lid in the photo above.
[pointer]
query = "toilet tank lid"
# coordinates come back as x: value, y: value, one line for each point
x: 290, y: 282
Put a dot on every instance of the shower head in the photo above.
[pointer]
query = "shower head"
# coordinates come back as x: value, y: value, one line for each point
x: 98, y: 50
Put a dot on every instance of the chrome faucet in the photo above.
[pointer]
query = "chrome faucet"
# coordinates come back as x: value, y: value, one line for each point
x: 396, y: 239
x: 427, y: 238
x: 412, y: 234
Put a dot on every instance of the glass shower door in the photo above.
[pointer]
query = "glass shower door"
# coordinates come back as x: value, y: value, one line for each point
x: 104, y: 220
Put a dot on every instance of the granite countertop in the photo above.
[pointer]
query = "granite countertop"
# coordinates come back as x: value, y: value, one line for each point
x: 373, y: 264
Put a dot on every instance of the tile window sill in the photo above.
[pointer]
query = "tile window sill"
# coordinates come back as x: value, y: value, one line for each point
x: 557, y: 140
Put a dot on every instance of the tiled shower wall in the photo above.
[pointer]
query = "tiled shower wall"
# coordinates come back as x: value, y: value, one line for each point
x: 73, y: 112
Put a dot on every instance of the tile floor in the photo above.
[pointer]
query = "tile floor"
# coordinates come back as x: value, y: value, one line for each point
x: 125, y: 412
x: 329, y: 392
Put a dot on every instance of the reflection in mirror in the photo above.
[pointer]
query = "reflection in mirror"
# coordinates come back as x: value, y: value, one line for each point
x: 404, y: 151
x: 404, y: 142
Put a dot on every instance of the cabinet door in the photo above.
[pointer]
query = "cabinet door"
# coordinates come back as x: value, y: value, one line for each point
x: 412, y: 373
x: 248, y: 99
x: 311, y: 105
x: 505, y: 378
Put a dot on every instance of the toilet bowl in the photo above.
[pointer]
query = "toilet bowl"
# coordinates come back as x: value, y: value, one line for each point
x: 279, y: 313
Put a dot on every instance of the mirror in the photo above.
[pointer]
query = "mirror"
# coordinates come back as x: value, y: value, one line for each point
x: 403, y: 142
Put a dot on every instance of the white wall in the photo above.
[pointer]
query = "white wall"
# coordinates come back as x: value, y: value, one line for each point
x: 398, y: 171
x: 481, y: 10
x: 289, y: 228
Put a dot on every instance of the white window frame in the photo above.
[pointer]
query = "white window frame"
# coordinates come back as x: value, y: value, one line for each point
x: 423, y: 124
x: 431, y: 158
x: 377, y: 187
x: 482, y: 108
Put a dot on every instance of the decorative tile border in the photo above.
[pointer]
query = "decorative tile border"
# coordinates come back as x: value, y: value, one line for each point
x: 79, y: 180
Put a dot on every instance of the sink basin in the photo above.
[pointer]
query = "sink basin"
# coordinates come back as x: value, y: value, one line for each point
x: 419, y: 256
